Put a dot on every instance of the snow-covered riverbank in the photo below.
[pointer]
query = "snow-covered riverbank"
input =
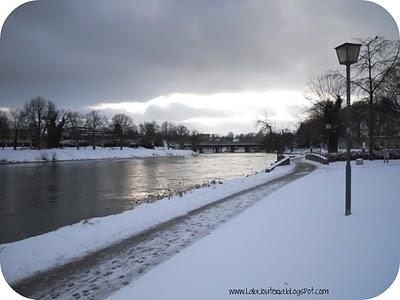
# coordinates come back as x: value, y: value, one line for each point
x: 296, y: 239
x: 70, y: 242
x: 9, y: 155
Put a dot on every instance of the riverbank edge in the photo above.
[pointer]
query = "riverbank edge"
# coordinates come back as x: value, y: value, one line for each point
x: 49, y: 156
x: 68, y: 243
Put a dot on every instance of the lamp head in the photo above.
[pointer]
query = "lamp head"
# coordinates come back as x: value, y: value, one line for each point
x: 347, y: 53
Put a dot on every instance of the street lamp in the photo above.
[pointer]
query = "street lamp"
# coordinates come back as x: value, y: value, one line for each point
x: 348, y: 55
x: 328, y: 127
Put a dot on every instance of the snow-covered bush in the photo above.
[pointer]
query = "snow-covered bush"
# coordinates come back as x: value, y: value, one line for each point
x: 43, y: 156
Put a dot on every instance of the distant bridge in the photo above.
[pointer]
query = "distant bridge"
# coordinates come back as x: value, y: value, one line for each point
x: 226, y: 146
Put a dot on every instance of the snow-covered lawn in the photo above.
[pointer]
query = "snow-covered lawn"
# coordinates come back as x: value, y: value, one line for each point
x: 296, y: 238
x: 22, y: 259
x: 9, y: 155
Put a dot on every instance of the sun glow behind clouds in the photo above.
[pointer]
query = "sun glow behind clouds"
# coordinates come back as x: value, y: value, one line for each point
x: 241, y: 109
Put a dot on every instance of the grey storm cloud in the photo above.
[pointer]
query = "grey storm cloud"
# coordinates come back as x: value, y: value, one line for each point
x: 78, y: 53
x: 179, y: 112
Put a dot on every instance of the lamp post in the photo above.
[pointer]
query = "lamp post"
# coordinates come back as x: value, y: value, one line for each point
x: 328, y: 127
x: 348, y: 55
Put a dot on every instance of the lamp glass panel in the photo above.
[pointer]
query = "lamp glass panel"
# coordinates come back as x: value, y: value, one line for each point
x: 341, y: 54
x: 352, y: 53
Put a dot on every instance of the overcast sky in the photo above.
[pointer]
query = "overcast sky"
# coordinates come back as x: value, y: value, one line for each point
x: 213, y: 65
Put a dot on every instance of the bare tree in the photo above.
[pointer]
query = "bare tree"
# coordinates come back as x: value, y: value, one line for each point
x: 149, y: 131
x: 18, y: 121
x: 325, y: 94
x: 324, y: 87
x: 4, y: 128
x: 390, y: 88
x: 75, y: 121
x: 94, y: 121
x: 182, y: 133
x: 378, y: 57
x: 133, y: 132
x: 230, y: 136
x: 121, y: 125
x: 274, y: 141
x: 35, y: 112
x: 55, y: 122
x: 195, y: 140
x: 268, y: 136
x: 167, y: 132
x: 264, y: 126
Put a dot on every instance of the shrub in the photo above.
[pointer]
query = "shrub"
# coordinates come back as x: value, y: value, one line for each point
x: 54, y: 156
x: 43, y: 156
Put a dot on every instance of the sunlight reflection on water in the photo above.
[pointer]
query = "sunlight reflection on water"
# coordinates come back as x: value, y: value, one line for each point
x: 40, y: 198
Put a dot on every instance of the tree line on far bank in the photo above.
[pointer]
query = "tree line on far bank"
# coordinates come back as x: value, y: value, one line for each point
x: 46, y: 126
x: 41, y: 122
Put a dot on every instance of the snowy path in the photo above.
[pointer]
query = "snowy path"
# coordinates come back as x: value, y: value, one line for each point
x: 106, y: 271
x: 295, y: 242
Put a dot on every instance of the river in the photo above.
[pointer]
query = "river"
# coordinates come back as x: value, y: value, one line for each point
x: 38, y: 198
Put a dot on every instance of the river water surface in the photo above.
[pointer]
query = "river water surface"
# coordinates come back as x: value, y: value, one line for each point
x: 37, y: 198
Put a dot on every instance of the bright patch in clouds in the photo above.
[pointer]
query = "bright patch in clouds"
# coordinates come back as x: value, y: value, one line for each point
x: 213, y: 112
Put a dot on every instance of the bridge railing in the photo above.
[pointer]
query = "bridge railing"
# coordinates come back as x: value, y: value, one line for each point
x: 317, y: 158
x: 282, y: 162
